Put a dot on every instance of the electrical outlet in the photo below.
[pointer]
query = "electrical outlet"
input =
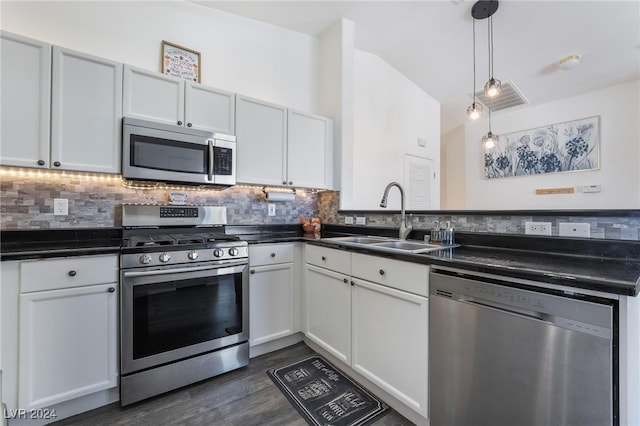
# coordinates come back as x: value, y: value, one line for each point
x: 361, y: 220
x: 271, y: 209
x: 60, y: 206
x: 537, y: 228
x: 348, y: 220
x: 582, y: 230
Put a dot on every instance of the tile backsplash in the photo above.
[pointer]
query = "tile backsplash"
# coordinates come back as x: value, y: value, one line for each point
x: 609, y: 227
x: 26, y: 202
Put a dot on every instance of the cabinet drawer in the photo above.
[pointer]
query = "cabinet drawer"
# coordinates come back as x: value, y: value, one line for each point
x: 405, y: 276
x: 68, y: 272
x: 270, y: 254
x: 335, y: 260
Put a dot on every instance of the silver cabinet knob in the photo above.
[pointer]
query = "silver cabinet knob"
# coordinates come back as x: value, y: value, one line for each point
x: 144, y: 259
x: 165, y: 257
x: 192, y: 255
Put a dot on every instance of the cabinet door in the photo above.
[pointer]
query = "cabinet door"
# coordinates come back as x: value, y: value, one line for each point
x: 271, y: 313
x: 210, y: 109
x: 153, y: 96
x: 309, y: 150
x: 261, y: 131
x: 86, y: 108
x: 328, y: 310
x: 389, y: 344
x: 68, y: 344
x: 25, y: 66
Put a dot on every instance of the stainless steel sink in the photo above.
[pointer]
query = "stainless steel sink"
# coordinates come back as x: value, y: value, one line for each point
x: 358, y: 240
x: 407, y: 245
x: 389, y: 244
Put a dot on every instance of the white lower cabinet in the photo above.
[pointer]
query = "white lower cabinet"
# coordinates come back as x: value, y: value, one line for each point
x: 389, y: 341
x: 328, y: 311
x: 59, y: 329
x: 373, y: 316
x: 68, y: 339
x: 271, y: 292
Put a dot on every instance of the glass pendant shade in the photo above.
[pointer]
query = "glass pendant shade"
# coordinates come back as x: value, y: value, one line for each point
x: 489, y: 140
x: 492, y: 88
x: 474, y: 111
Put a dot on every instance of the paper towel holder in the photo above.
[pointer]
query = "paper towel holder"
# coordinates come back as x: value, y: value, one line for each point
x: 279, y: 195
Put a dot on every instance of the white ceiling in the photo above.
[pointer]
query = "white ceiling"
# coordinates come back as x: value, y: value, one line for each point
x: 430, y: 42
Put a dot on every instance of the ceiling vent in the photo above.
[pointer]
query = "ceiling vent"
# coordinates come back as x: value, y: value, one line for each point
x: 508, y: 97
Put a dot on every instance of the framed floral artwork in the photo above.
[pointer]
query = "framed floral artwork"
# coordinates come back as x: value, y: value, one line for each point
x: 564, y: 147
x: 180, y: 62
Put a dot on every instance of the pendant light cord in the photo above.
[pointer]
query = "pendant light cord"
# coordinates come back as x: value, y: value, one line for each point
x: 490, y: 44
x: 474, y: 61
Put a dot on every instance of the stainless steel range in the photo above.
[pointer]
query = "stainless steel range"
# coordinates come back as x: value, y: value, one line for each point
x: 184, y: 308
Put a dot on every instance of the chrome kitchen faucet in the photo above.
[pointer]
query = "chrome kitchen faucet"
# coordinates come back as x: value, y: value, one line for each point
x: 404, y: 229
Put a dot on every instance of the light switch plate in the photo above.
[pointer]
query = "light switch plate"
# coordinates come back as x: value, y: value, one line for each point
x: 348, y: 220
x: 271, y: 209
x: 361, y: 220
x: 581, y: 230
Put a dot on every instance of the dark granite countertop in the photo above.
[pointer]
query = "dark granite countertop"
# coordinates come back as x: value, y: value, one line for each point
x: 606, y: 266
x: 34, y: 244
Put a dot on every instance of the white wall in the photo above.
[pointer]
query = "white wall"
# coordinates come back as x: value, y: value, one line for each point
x: 390, y: 113
x: 619, y: 173
x: 238, y: 54
x: 453, y: 169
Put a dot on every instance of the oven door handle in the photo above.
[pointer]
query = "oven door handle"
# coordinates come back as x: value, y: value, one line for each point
x: 178, y: 270
x: 211, y: 153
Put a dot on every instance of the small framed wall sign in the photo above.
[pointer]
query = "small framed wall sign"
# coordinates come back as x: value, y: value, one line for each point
x: 179, y: 61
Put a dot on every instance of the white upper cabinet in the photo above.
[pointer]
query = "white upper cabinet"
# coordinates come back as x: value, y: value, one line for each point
x: 86, y: 112
x: 309, y: 150
x: 153, y: 96
x: 261, y: 131
x: 25, y: 66
x: 207, y: 108
x: 157, y: 97
x: 60, y: 110
x: 277, y: 146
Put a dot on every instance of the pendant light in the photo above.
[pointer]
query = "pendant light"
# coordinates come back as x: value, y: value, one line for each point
x: 492, y: 88
x: 489, y: 140
x: 475, y: 110
x: 484, y: 9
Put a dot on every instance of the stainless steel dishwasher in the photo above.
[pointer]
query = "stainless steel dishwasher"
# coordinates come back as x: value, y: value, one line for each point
x: 504, y: 356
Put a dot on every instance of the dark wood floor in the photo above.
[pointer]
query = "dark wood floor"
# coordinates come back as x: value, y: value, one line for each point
x: 242, y: 397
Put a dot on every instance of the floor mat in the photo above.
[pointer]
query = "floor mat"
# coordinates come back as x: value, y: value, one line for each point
x: 325, y: 396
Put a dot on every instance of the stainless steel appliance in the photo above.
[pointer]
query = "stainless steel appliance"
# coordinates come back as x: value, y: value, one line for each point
x: 184, y: 311
x: 500, y: 355
x: 160, y: 152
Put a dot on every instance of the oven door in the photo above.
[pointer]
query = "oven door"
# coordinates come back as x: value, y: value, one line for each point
x: 174, y: 313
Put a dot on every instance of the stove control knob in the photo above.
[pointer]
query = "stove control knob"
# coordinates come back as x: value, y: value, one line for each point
x: 144, y: 259
x: 233, y: 251
x: 192, y: 255
x: 218, y: 252
x: 165, y: 257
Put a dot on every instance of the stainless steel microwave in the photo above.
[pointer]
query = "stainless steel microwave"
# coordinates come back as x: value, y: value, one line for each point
x: 165, y: 153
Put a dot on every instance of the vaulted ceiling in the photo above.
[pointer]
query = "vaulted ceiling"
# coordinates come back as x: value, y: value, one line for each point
x: 430, y: 42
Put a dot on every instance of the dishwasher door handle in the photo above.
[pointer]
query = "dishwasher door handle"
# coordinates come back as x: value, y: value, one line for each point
x: 525, y: 313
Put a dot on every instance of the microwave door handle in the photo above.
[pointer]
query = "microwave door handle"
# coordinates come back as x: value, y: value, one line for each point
x: 210, y: 174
